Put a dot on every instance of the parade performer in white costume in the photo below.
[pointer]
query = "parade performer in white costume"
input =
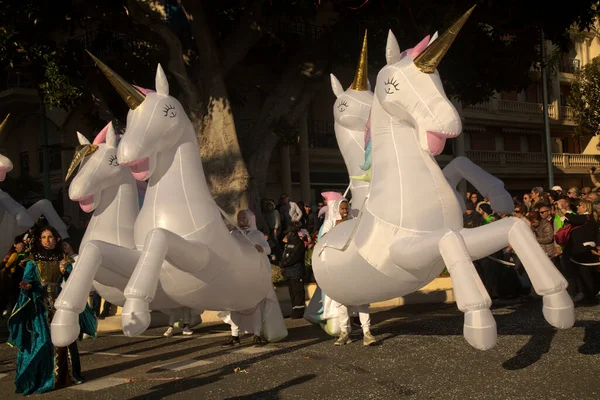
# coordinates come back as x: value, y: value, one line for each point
x: 16, y: 219
x: 248, y: 321
x: 320, y: 309
x: 390, y: 250
x: 338, y: 213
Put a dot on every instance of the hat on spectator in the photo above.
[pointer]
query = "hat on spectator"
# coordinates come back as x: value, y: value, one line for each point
x: 557, y: 188
x: 470, y: 206
x: 485, y: 207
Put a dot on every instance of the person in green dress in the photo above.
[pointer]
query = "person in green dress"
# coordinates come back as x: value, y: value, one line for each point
x: 40, y: 366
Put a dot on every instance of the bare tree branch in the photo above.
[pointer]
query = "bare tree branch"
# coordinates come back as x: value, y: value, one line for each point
x: 142, y: 14
x: 236, y: 47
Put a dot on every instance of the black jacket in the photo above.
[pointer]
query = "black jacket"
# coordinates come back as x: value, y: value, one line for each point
x: 585, y: 233
x: 292, y: 259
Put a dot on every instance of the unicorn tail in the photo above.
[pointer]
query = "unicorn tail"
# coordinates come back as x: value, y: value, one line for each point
x: 366, y: 177
x: 367, y: 165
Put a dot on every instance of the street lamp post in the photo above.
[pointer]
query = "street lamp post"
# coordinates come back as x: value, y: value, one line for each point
x: 546, y: 119
x: 45, y: 154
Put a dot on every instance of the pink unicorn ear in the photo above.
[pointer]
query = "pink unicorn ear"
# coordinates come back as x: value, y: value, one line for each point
x: 418, y: 49
x: 101, y: 136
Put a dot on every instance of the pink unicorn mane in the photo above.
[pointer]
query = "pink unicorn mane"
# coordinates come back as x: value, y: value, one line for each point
x: 418, y: 49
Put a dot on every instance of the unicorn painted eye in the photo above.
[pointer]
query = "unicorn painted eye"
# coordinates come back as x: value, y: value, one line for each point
x: 391, y: 85
x: 342, y: 106
x: 169, y: 111
x: 112, y: 160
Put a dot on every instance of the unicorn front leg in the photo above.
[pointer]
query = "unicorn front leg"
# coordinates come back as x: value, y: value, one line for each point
x: 160, y: 245
x: 44, y: 207
x: 73, y: 297
x: 471, y: 297
x: 545, y: 278
x: 485, y: 183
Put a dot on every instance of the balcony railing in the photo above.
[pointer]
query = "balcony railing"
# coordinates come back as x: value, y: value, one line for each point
x: 296, y: 30
x: 321, y: 134
x: 508, y: 158
x: 20, y: 78
x: 520, y: 108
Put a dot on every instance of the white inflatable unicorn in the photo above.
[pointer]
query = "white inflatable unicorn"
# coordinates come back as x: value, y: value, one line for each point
x: 351, y: 113
x: 108, y: 190
x: 411, y: 225
x: 180, y: 236
x: 15, y: 219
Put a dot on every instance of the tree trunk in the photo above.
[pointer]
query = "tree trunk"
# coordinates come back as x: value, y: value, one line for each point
x: 224, y: 166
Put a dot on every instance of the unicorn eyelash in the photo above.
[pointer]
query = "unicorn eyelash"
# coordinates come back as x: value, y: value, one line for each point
x: 112, y: 160
x: 342, y: 106
x: 168, y: 108
x: 393, y: 82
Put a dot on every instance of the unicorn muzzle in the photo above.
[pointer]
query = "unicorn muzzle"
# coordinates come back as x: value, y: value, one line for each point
x: 139, y: 168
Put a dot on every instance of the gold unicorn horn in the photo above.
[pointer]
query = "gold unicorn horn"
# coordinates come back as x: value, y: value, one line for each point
x: 361, y: 79
x: 131, y: 95
x: 430, y: 58
x: 81, y: 152
x: 3, y: 124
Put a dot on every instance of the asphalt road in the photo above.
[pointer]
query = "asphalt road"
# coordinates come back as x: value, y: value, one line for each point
x: 422, y: 355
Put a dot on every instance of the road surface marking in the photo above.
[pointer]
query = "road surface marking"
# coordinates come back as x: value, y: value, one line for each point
x: 215, y: 335
x: 255, y: 350
x: 99, y: 384
x: 185, y: 364
x: 110, y: 354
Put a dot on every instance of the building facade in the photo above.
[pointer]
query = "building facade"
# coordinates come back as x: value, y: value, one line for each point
x: 505, y: 135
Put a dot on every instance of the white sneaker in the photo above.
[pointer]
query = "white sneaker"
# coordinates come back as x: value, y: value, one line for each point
x: 187, y: 331
x: 169, y: 332
x: 86, y: 336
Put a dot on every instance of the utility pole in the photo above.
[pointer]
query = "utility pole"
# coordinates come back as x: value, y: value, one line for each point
x: 546, y: 120
x: 45, y: 153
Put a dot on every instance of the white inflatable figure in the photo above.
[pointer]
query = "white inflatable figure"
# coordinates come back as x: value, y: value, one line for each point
x: 108, y: 190
x: 411, y: 225
x: 16, y: 219
x: 321, y: 308
x: 180, y: 235
x: 350, y: 113
x: 261, y: 317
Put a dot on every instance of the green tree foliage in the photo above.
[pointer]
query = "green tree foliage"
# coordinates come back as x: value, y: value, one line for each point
x: 585, y: 99
x: 494, y: 52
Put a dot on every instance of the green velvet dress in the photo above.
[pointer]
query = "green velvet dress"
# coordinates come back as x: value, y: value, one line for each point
x: 41, y: 366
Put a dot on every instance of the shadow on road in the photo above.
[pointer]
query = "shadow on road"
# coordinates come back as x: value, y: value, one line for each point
x: 273, y: 394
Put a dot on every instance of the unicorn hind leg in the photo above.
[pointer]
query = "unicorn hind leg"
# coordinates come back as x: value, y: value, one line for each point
x: 547, y: 281
x: 161, y: 244
x: 44, y: 207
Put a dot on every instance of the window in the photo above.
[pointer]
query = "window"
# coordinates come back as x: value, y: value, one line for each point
x: 24, y: 162
x: 54, y: 157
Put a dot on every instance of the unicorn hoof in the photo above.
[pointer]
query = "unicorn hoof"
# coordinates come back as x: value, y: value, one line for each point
x: 135, y: 317
x: 64, y: 328
x: 559, y: 310
x: 480, y: 329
